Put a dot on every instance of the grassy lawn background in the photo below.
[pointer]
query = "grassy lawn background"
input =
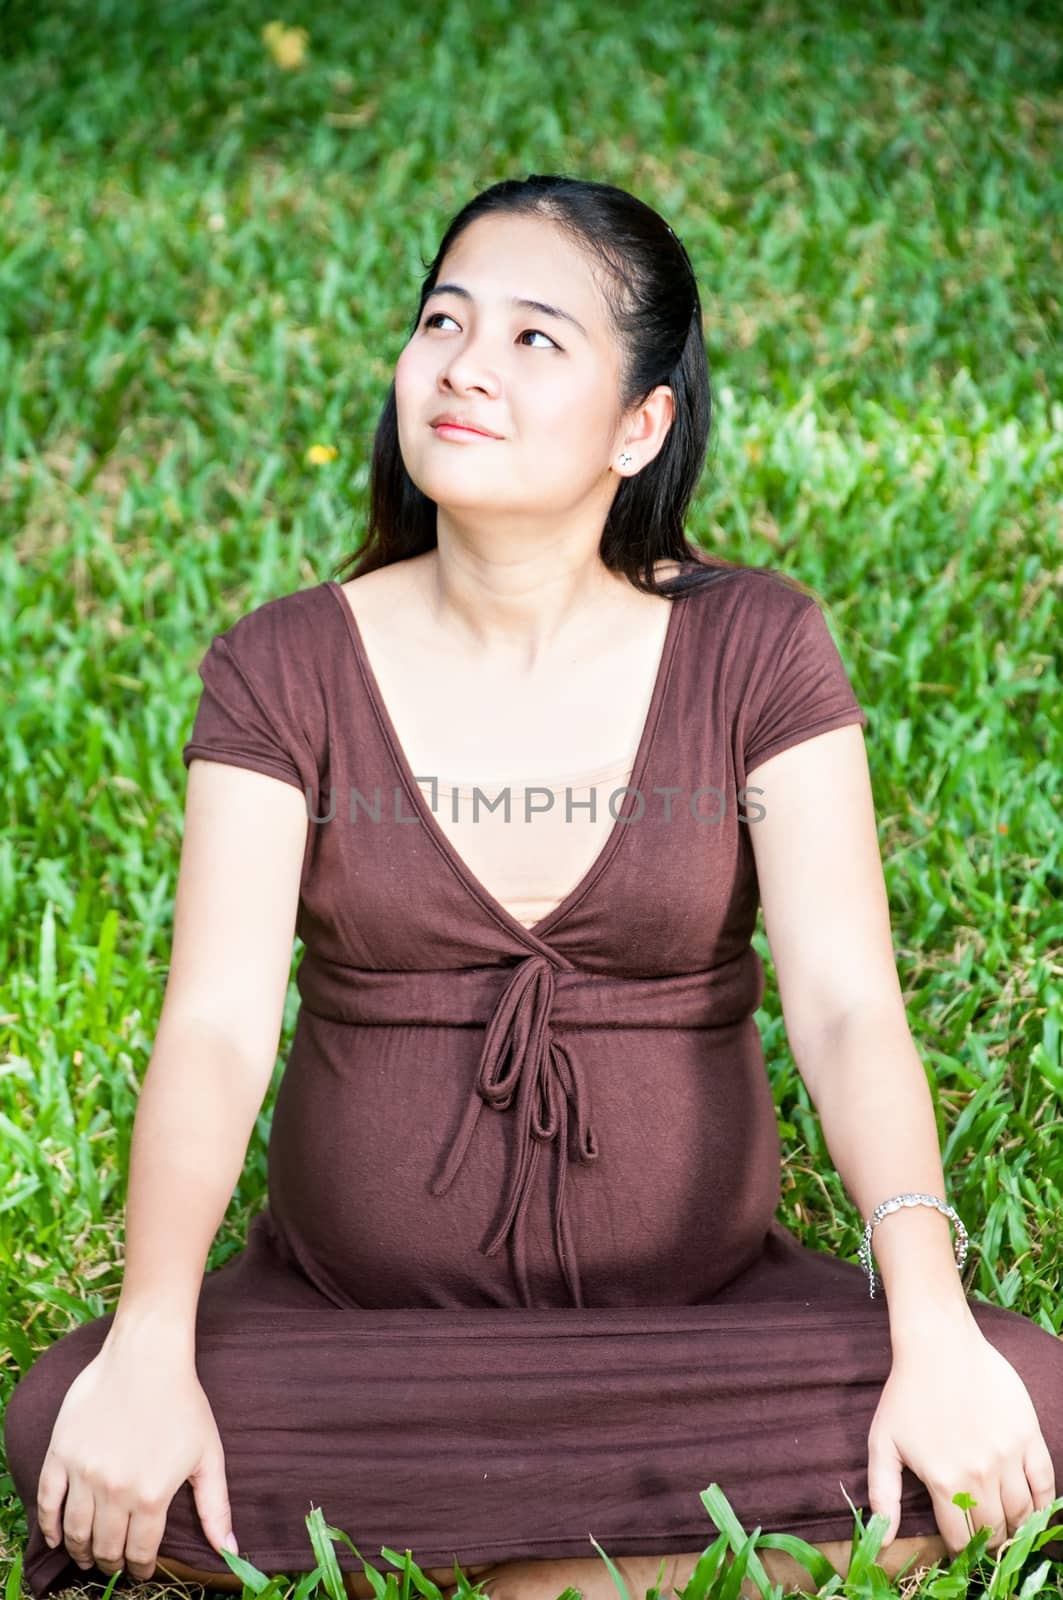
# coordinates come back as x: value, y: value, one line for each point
x: 207, y: 263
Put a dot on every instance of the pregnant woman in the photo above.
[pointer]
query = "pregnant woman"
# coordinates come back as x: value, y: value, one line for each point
x: 519, y: 784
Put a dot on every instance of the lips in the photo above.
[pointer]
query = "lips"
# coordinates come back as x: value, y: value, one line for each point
x: 447, y: 420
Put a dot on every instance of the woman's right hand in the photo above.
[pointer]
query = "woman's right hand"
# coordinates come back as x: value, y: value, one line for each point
x: 129, y: 1432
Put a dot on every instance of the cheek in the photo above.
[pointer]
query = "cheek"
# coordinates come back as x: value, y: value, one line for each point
x: 411, y: 373
x: 575, y: 403
x: 402, y: 369
x: 579, y: 423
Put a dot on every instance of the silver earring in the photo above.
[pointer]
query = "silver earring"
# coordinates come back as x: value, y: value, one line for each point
x: 625, y: 459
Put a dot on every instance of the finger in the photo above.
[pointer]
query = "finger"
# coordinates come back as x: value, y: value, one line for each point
x: 109, y: 1527
x: 989, y: 1513
x: 77, y: 1520
x: 1040, y: 1472
x: 884, y: 1480
x: 51, y: 1487
x: 147, y: 1526
x: 1015, y: 1497
x: 211, y: 1494
x: 952, y: 1519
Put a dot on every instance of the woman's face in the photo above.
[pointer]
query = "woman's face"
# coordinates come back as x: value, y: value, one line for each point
x: 546, y: 386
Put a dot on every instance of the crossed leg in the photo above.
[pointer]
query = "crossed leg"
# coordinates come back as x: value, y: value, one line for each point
x: 545, y: 1580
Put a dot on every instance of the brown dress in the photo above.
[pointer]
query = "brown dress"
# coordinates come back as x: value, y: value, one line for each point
x: 519, y: 1280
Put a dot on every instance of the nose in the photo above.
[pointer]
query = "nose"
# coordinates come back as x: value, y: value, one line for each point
x: 470, y: 367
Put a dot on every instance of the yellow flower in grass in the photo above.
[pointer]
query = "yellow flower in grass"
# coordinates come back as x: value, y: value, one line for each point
x: 319, y: 455
x: 286, y: 45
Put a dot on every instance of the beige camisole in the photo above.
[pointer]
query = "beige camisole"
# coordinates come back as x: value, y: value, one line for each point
x: 556, y: 830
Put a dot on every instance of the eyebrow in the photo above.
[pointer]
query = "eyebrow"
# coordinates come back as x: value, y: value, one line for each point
x: 528, y: 305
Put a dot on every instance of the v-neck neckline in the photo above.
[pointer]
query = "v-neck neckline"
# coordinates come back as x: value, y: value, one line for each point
x: 458, y: 865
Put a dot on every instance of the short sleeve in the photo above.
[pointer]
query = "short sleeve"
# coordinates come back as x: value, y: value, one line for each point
x: 807, y: 692
x: 238, y: 720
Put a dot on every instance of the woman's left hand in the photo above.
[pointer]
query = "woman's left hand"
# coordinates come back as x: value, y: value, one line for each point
x: 958, y: 1414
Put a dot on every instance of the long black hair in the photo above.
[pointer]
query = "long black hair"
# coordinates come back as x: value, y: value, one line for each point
x: 653, y: 302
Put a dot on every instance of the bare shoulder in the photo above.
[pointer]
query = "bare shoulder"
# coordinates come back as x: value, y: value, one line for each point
x: 663, y: 570
x: 378, y: 592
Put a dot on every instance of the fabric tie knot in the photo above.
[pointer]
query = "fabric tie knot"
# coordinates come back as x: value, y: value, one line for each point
x: 522, y: 1060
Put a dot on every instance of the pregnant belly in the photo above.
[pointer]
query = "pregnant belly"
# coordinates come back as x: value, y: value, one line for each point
x: 684, y: 1188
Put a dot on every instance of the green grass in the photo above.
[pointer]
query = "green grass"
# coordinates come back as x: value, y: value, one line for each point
x: 206, y: 266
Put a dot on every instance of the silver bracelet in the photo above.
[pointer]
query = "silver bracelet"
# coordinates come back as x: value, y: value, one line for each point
x: 895, y: 1204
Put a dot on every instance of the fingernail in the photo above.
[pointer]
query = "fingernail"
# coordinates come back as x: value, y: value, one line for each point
x: 229, y: 1543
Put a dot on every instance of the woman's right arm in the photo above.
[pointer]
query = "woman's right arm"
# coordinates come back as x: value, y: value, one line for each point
x: 216, y: 1044
x: 135, y: 1423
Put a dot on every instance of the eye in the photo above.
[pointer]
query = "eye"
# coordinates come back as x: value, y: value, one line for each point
x: 542, y: 335
x: 436, y: 315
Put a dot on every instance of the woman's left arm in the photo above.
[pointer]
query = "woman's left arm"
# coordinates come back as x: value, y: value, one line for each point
x: 953, y: 1409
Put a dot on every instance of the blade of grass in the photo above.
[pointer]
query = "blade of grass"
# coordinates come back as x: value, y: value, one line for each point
x: 718, y: 1506
x: 613, y: 1573
x: 704, y: 1574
